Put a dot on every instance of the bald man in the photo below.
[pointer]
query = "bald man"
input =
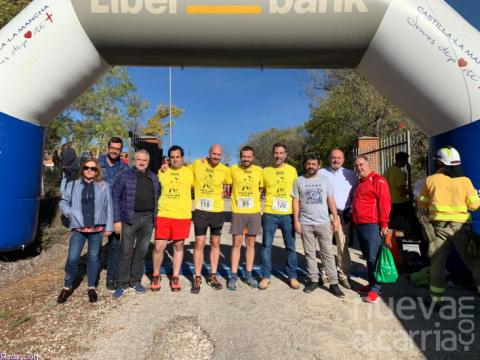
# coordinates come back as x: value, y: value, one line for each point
x: 343, y: 182
x: 212, y: 181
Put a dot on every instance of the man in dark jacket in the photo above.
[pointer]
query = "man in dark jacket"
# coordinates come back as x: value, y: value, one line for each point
x: 370, y: 213
x: 135, y: 194
x: 111, y: 165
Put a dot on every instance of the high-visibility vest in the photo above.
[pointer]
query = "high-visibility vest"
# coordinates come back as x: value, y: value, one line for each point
x: 449, y: 199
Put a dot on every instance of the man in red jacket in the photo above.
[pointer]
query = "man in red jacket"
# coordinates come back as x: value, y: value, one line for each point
x: 370, y: 213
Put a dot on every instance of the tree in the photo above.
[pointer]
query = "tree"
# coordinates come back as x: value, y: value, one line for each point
x: 111, y: 107
x: 158, y: 124
x: 57, y: 130
x: 346, y: 106
x: 293, y: 138
x: 9, y: 9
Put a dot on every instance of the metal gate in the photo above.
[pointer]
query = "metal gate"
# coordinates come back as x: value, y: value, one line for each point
x: 382, y: 154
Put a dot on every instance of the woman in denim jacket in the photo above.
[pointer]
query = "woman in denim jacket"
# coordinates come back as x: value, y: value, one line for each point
x: 87, y: 203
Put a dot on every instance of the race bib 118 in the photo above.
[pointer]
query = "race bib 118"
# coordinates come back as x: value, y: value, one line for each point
x: 205, y: 204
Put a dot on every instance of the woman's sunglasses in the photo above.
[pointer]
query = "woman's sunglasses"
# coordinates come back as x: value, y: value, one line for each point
x: 93, y: 168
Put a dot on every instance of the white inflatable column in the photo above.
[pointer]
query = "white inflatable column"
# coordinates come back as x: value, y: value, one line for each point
x: 46, y: 61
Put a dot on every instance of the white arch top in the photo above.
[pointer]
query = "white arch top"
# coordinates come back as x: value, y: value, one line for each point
x: 420, y: 53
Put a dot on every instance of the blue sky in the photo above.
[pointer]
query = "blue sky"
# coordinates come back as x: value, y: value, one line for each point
x: 227, y: 105
x: 224, y: 105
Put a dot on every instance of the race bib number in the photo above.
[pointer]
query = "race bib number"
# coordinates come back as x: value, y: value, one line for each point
x: 281, y: 205
x: 205, y: 204
x: 245, y: 203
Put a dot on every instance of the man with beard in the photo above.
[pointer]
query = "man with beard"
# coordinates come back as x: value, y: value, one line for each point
x: 278, y: 181
x: 111, y: 165
x: 312, y: 199
x: 449, y: 195
x: 174, y: 216
x: 246, y: 217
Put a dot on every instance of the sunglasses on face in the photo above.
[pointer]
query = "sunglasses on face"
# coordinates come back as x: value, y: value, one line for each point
x: 92, y: 168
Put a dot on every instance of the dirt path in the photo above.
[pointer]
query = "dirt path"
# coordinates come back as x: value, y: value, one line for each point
x: 278, y: 323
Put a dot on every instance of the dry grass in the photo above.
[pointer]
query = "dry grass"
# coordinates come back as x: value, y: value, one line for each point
x: 31, y: 322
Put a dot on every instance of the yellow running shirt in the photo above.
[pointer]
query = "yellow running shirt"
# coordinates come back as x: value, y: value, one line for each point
x: 176, y: 193
x: 246, y: 193
x: 209, y: 183
x: 278, y: 187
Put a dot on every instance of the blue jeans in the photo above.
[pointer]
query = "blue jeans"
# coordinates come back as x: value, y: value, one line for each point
x: 75, y: 247
x: 270, y: 223
x: 370, y: 243
x: 113, y: 244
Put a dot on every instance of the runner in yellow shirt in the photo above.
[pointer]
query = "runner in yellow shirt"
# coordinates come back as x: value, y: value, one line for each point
x: 212, y: 181
x: 246, y: 217
x: 278, y: 180
x: 174, y: 215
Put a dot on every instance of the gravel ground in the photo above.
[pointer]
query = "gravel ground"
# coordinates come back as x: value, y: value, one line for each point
x: 278, y: 323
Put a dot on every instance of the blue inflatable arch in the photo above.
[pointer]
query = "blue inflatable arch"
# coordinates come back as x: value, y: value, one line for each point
x: 420, y: 53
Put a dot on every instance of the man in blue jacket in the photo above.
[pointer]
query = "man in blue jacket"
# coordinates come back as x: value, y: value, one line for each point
x: 135, y: 194
x: 111, y: 165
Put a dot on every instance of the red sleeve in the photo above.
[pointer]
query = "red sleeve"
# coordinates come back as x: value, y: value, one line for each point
x: 384, y: 201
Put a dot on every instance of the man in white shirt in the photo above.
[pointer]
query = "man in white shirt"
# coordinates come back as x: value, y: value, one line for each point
x: 343, y: 182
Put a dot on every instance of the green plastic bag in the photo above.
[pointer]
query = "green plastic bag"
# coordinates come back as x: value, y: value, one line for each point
x: 385, y: 271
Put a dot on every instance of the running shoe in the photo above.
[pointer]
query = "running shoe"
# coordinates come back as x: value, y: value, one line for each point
x: 251, y: 281
x: 264, y: 284
x: 232, y: 283
x: 155, y: 284
x: 175, y: 285
x: 197, y: 283
x: 214, y: 283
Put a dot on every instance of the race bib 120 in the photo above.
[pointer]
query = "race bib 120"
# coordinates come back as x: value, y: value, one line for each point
x: 281, y: 205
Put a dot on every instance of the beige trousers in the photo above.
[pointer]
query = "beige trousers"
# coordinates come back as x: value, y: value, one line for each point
x: 342, y: 238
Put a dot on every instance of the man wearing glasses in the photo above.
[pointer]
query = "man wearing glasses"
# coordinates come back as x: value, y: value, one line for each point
x: 111, y: 165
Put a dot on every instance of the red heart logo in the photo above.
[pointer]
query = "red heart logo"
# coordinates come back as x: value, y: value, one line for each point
x: 462, y: 62
x: 28, y: 34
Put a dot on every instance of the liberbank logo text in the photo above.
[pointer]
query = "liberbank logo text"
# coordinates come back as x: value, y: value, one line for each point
x: 276, y: 7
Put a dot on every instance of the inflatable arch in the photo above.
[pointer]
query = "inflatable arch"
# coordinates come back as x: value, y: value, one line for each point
x: 420, y: 53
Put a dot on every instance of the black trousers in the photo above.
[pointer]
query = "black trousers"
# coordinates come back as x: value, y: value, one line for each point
x: 133, y: 248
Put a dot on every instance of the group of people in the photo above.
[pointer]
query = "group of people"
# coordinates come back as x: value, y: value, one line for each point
x: 131, y: 203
